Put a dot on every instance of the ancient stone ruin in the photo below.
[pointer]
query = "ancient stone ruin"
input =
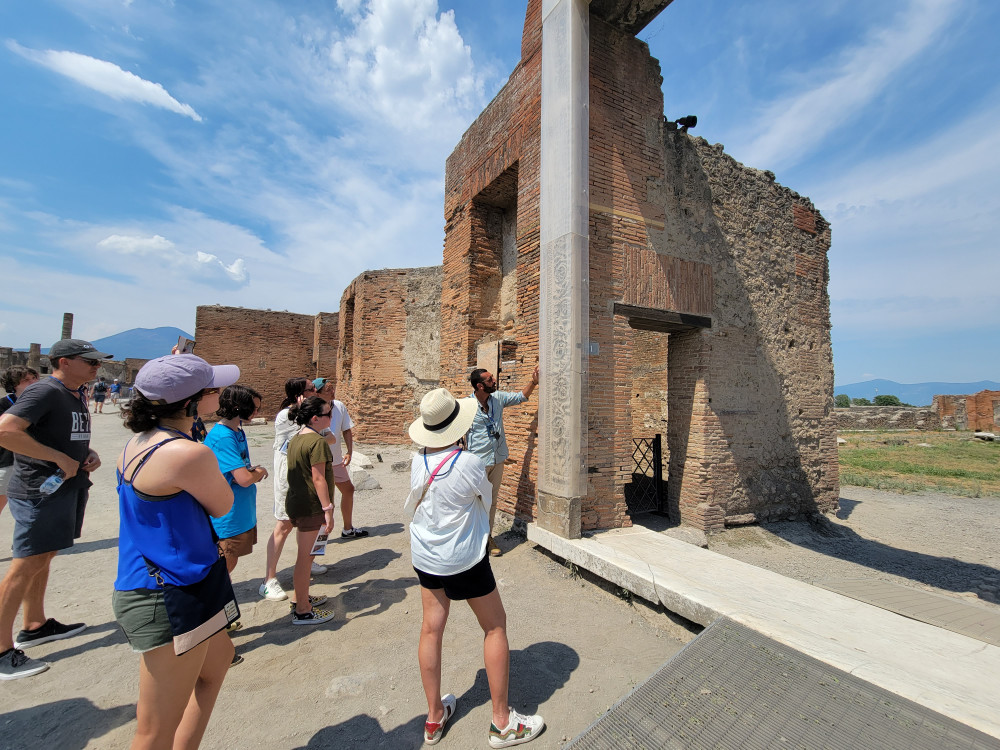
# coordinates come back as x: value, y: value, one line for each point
x: 664, y: 289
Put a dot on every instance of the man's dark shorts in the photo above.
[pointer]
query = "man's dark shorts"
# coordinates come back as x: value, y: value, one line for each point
x: 50, y: 523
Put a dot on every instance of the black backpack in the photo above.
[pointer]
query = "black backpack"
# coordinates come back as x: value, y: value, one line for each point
x: 100, y: 387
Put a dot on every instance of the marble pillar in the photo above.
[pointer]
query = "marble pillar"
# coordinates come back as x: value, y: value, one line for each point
x: 564, y: 273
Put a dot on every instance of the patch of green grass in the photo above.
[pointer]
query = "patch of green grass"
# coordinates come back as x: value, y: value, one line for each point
x: 953, y: 463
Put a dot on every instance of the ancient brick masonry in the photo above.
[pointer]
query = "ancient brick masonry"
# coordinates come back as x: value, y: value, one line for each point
x: 389, y: 350
x: 709, y: 315
x: 980, y: 411
x: 268, y: 346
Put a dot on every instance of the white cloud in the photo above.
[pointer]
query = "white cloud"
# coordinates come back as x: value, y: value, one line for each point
x: 135, y: 245
x: 106, y: 78
x: 235, y: 270
x: 404, y: 63
x: 798, y: 123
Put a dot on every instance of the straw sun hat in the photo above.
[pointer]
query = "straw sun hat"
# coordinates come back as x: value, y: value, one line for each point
x: 443, y: 419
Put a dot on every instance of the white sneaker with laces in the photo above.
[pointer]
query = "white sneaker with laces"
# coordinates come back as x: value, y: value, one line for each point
x: 520, y: 729
x: 272, y: 591
x: 317, y: 569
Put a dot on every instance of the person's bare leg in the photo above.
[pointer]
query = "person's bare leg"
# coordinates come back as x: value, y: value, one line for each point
x: 346, y: 503
x: 206, y: 690
x: 436, y: 607
x: 275, y: 544
x: 13, y: 589
x: 33, y: 603
x: 166, y: 684
x: 231, y: 561
x: 496, y: 651
x: 303, y: 564
x: 3, y: 502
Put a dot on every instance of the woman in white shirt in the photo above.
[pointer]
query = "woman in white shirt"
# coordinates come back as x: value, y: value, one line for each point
x: 451, y: 496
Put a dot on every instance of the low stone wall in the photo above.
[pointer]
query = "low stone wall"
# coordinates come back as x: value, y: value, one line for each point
x: 887, y: 418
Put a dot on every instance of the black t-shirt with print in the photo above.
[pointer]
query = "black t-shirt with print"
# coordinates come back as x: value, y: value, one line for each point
x: 59, y: 420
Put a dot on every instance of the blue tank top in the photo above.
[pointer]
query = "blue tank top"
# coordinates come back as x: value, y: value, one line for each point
x: 173, y: 532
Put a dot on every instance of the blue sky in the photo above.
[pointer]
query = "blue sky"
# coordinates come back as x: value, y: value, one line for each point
x: 156, y: 155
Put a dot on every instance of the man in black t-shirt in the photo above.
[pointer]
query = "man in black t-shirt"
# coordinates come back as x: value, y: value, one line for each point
x: 48, y: 430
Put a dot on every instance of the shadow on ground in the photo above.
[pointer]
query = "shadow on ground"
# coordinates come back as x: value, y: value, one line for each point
x: 825, y: 537
x: 355, y: 600
x: 536, y: 673
x: 20, y: 727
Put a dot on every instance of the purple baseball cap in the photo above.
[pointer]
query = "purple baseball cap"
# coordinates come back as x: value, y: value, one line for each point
x: 171, y: 379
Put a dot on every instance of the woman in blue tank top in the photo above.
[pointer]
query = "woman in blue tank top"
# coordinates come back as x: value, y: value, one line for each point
x: 168, y: 485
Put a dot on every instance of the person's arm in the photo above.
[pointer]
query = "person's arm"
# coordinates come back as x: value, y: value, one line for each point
x: 195, y: 469
x: 349, y: 444
x: 529, y: 387
x: 323, y: 493
x: 245, y: 477
x: 15, y: 438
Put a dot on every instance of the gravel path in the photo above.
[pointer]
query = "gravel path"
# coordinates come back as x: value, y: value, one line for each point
x: 931, y: 541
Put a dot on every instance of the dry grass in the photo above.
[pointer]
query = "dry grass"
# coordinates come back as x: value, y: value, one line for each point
x: 954, y: 463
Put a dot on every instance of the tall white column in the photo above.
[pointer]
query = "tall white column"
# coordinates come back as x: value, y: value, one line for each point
x: 564, y: 327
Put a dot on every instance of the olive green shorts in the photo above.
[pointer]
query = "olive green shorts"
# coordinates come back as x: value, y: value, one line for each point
x: 143, y: 618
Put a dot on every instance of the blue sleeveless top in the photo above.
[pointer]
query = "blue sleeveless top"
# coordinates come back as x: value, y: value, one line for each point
x: 172, y: 531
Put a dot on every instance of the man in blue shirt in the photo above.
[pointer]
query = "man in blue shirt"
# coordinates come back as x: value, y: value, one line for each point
x: 486, y: 437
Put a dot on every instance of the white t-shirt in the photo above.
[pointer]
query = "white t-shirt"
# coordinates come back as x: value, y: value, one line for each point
x: 451, y: 525
x: 340, y: 420
x: 284, y: 429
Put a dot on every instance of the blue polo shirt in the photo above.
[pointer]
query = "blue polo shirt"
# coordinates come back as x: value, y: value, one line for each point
x: 486, y: 437
x: 232, y: 452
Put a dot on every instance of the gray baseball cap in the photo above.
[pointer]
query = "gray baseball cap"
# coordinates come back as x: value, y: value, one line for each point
x: 175, y: 377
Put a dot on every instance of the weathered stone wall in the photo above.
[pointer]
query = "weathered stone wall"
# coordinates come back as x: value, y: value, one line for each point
x: 887, y: 418
x: 770, y: 437
x: 269, y: 346
x: 979, y: 411
x: 389, y: 349
x: 677, y: 228
x: 490, y: 283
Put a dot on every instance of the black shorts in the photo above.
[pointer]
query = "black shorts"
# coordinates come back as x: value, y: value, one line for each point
x: 48, y: 523
x: 469, y: 584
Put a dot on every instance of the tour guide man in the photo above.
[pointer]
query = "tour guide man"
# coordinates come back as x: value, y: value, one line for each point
x: 486, y: 437
x: 48, y: 430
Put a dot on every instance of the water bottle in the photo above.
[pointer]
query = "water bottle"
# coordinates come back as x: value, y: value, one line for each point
x: 53, y: 483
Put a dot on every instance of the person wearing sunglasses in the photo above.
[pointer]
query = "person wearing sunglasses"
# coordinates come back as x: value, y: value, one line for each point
x: 296, y: 389
x: 309, y: 503
x: 48, y: 430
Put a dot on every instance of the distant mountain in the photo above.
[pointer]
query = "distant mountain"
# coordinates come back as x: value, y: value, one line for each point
x: 139, y: 343
x: 918, y: 394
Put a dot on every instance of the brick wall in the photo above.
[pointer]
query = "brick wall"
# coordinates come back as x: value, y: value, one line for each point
x: 268, y: 346
x: 980, y: 411
x: 491, y: 192
x: 676, y: 227
x: 389, y: 349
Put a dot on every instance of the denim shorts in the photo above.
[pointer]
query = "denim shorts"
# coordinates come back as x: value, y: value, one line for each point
x: 49, y: 523
x: 142, y: 616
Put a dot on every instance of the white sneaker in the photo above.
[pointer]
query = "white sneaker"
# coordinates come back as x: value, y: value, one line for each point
x: 520, y: 729
x: 317, y: 569
x: 272, y: 590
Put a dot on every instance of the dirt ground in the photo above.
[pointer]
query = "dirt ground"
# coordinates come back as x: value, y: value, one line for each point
x: 351, y: 683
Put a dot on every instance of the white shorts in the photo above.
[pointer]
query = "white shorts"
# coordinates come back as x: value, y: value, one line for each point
x: 280, y: 485
x: 6, y: 472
